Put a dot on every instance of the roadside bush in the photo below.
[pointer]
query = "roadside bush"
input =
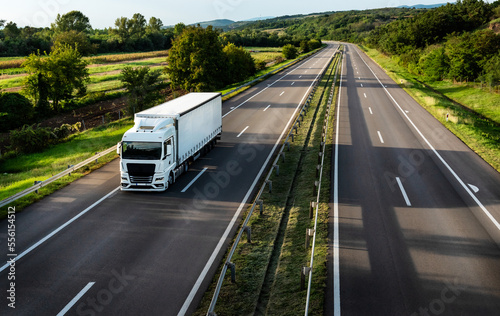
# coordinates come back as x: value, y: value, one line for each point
x: 290, y: 51
x: 16, y: 109
x: 31, y: 138
x: 63, y: 131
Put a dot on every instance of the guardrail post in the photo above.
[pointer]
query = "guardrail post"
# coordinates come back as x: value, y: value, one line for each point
x: 318, y: 168
x: 283, y: 154
x: 261, y: 205
x: 316, y: 184
x: 309, y: 234
x: 70, y: 166
x: 312, y: 205
x: 270, y: 184
x: 248, y: 230
x: 303, y: 272
x: 96, y: 157
x: 321, y: 146
x: 277, y: 167
x: 35, y: 183
x: 232, y: 267
x: 291, y: 135
x: 320, y: 154
x: 287, y: 145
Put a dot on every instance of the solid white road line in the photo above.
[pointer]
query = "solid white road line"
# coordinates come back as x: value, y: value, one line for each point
x: 380, y: 136
x: 222, y: 240
x: 267, y: 107
x: 455, y: 175
x: 75, y: 299
x: 407, y: 200
x: 60, y: 228
x: 243, y: 131
x: 194, y: 180
x: 336, y: 265
x: 369, y: 108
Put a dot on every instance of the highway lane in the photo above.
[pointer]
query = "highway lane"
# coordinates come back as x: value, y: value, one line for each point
x: 409, y: 238
x: 152, y: 253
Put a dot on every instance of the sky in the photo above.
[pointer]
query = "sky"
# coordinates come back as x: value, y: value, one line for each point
x: 103, y: 13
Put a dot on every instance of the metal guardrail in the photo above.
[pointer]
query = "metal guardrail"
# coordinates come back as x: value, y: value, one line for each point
x: 309, y: 269
x: 257, y: 200
x: 41, y: 184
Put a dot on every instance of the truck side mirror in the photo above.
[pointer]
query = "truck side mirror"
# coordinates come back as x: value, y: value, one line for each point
x: 169, y: 150
x: 119, y: 148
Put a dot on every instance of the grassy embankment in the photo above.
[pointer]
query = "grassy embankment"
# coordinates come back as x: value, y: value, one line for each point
x: 481, y: 134
x: 268, y: 269
x: 19, y: 173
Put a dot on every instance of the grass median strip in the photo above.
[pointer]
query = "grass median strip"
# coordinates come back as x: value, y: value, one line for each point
x: 257, y: 262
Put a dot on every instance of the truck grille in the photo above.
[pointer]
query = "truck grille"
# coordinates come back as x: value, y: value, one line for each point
x: 141, y: 179
x: 141, y: 173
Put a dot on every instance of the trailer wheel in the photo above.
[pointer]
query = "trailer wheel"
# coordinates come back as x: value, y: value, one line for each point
x: 186, y: 166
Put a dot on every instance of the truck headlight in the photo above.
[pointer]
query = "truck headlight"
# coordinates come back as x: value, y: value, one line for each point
x: 159, y: 179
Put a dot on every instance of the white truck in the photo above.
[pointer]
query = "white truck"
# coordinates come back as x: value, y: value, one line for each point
x: 166, y: 138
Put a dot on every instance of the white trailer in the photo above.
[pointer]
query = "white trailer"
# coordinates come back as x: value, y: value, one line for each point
x: 166, y: 138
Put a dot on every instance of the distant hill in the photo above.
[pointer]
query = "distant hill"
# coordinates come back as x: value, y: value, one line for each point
x: 220, y: 23
x: 259, y: 18
x: 424, y: 6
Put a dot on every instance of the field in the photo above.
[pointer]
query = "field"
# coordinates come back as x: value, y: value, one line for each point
x: 105, y: 70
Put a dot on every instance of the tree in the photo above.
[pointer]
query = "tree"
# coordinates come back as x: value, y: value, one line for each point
x: 154, y: 25
x: 142, y: 84
x: 77, y: 40
x: 72, y: 21
x: 241, y: 64
x: 55, y: 77
x: 289, y: 51
x: 436, y: 64
x: 196, y: 60
x: 11, y: 30
x: 137, y: 26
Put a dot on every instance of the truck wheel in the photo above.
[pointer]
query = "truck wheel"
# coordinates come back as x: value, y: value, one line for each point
x: 186, y: 166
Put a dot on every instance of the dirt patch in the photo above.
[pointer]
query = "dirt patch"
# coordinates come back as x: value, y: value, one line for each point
x: 495, y: 27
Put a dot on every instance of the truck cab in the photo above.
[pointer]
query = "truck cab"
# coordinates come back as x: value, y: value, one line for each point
x: 148, y: 156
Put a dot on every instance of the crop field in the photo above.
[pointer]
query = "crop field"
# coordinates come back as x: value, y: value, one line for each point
x: 104, y: 70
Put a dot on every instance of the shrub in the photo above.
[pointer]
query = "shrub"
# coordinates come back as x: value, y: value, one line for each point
x: 17, y: 110
x: 31, y: 138
x: 289, y: 51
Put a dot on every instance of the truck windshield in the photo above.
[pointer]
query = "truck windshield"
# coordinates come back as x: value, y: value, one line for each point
x: 141, y: 150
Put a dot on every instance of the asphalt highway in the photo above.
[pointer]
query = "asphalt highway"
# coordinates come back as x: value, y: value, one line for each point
x: 90, y: 249
x: 415, y: 212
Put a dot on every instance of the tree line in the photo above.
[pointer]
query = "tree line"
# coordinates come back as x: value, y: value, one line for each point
x: 127, y: 35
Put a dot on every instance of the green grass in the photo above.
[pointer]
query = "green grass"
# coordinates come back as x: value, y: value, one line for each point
x: 252, y: 259
x: 19, y: 173
x: 477, y: 99
x: 481, y: 135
